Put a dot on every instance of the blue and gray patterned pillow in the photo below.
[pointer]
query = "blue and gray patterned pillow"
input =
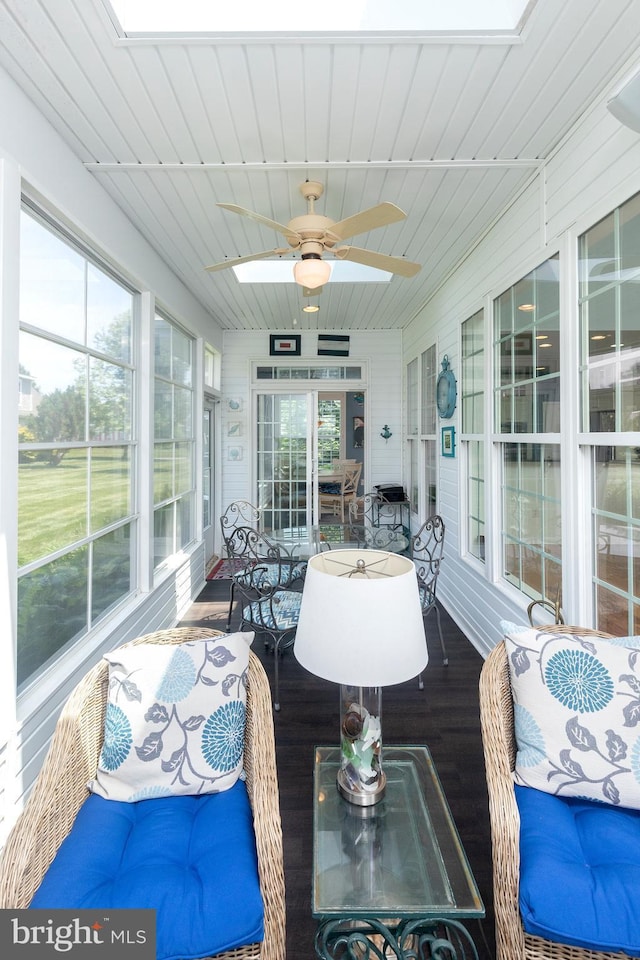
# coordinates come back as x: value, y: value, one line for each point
x: 577, y: 714
x: 175, y: 718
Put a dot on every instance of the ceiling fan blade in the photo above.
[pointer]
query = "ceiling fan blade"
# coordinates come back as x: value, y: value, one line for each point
x: 379, y: 216
x: 235, y: 261
x: 405, y: 268
x: 258, y: 218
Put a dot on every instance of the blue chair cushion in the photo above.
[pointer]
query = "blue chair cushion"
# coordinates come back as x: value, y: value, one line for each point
x: 272, y: 574
x: 332, y: 488
x: 191, y: 858
x: 579, y: 871
x: 281, y: 614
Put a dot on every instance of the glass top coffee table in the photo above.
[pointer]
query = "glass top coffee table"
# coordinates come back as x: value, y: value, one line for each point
x: 394, y: 874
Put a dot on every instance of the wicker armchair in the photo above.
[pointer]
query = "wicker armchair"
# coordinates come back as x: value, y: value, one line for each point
x: 496, y: 715
x: 60, y: 790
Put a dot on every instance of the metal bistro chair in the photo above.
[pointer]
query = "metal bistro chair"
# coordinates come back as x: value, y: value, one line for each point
x: 427, y: 547
x: 239, y: 513
x: 262, y: 577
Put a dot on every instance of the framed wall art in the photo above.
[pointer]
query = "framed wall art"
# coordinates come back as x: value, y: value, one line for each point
x: 281, y: 345
x: 448, y: 441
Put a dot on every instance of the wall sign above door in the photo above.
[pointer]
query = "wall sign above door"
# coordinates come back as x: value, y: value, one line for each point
x: 282, y: 346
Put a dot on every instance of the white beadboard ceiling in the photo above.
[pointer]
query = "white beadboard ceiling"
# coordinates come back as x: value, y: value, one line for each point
x: 449, y: 128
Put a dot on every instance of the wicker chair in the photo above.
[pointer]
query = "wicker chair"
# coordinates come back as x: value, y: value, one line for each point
x: 496, y: 715
x: 60, y: 790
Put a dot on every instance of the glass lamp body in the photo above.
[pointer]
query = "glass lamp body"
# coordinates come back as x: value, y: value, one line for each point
x: 361, y: 779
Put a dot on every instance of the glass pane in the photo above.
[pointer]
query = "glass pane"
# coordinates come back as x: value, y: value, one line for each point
x: 431, y: 474
x: 163, y: 487
x: 503, y: 315
x: 182, y: 412
x: 109, y: 308
x: 523, y: 409
x: 629, y: 339
x: 110, y: 397
x: 630, y: 235
x: 52, y: 610
x: 616, y: 475
x: 52, y: 282
x: 110, y: 485
x: 597, y: 257
x: 184, y: 533
x: 162, y: 410
x: 183, y: 453
x: 598, y: 316
x: 428, y: 406
x: 630, y: 394
x: 602, y: 397
x: 531, y: 517
x: 162, y: 347
x: 412, y: 397
x: 59, y: 387
x: 52, y: 503
x: 181, y: 367
x: 111, y: 576
x: 163, y: 533
x: 329, y: 431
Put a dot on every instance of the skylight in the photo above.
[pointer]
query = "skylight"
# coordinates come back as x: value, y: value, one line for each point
x: 281, y: 271
x: 332, y: 16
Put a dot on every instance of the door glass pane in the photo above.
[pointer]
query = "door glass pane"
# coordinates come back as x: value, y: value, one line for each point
x: 282, y: 448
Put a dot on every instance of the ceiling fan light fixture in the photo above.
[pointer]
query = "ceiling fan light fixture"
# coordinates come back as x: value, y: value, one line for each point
x: 311, y: 271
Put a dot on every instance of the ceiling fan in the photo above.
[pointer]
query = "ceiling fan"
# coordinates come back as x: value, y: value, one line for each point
x: 313, y: 235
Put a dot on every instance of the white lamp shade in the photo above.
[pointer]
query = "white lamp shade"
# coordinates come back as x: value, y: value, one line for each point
x: 366, y: 629
x: 312, y: 272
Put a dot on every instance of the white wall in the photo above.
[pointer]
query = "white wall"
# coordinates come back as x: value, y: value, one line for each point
x: 34, y: 158
x: 596, y: 168
x: 382, y: 353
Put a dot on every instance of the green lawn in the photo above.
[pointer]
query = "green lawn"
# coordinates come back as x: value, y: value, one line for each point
x: 53, y: 500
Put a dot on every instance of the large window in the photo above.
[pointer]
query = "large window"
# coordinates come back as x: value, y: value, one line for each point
x: 527, y: 412
x: 174, y: 441
x: 473, y: 408
x: 76, y: 510
x: 609, y: 273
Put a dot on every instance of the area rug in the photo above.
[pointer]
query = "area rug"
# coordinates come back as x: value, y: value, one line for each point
x: 221, y: 570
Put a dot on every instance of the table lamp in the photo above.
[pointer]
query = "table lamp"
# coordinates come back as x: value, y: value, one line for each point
x: 361, y: 626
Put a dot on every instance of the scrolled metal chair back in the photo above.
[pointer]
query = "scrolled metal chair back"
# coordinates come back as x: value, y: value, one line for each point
x: 239, y: 513
x: 427, y: 548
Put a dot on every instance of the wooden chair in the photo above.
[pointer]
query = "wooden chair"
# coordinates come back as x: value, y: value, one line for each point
x: 497, y: 721
x: 61, y: 788
x: 336, y: 503
x: 426, y: 550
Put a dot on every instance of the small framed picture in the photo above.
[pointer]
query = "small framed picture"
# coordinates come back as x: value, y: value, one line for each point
x: 284, y: 346
x: 235, y: 404
x: 234, y: 428
x: 448, y: 441
x: 234, y: 454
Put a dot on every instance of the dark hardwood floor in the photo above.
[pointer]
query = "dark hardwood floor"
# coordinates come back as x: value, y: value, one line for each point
x: 444, y: 716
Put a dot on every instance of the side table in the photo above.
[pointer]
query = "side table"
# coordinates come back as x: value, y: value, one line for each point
x: 392, y: 879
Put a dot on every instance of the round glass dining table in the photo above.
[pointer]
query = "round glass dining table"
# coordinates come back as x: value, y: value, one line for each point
x: 303, y: 542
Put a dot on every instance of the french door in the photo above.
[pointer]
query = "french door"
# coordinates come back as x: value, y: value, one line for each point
x: 286, y: 446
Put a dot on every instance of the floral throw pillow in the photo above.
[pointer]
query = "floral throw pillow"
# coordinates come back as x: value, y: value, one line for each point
x: 577, y: 714
x: 175, y: 718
